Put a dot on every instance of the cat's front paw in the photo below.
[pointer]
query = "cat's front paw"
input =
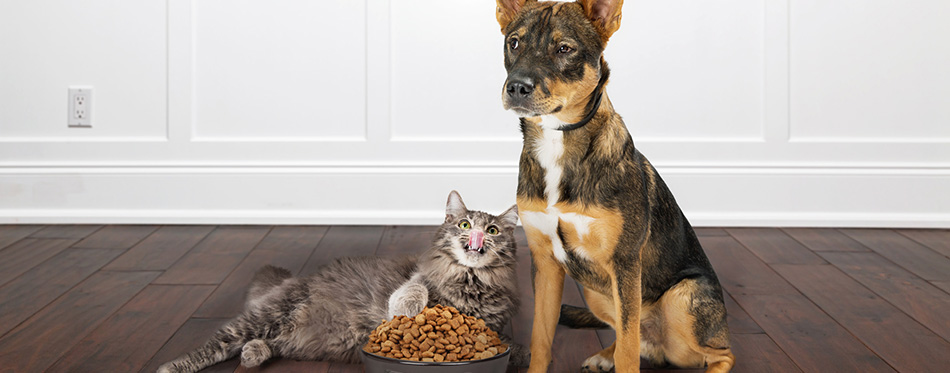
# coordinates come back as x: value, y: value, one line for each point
x: 408, y: 308
x: 408, y: 300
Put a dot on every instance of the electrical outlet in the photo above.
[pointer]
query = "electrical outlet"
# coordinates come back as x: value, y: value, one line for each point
x: 79, y: 112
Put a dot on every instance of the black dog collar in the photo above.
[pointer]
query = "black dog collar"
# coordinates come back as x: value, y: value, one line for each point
x: 594, y: 104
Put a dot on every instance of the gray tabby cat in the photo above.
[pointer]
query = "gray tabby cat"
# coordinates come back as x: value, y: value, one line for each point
x: 328, y: 316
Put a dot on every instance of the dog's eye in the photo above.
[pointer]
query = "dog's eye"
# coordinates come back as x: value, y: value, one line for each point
x: 493, y: 230
x: 565, y: 49
x: 513, y: 43
x: 464, y: 224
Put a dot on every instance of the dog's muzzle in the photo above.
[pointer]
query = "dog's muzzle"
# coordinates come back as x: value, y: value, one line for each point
x: 518, y: 94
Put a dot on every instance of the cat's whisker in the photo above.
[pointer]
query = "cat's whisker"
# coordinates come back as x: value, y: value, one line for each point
x: 494, y: 251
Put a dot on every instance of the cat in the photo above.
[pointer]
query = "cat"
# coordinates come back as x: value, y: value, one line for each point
x: 328, y: 316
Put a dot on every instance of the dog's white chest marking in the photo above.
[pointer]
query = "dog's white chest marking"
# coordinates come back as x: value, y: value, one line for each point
x: 549, y: 149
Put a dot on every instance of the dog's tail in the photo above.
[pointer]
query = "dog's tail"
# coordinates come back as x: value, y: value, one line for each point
x: 580, y: 318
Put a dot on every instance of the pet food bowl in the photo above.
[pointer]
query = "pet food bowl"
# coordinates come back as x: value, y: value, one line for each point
x: 380, y: 364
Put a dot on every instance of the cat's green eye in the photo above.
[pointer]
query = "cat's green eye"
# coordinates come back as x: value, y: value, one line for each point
x: 493, y: 230
x: 465, y: 224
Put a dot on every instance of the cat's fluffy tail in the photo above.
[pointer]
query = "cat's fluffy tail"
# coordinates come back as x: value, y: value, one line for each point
x: 580, y: 318
x: 224, y: 345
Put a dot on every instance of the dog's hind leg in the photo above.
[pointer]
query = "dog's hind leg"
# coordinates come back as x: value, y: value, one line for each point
x: 602, y: 307
x: 695, y: 326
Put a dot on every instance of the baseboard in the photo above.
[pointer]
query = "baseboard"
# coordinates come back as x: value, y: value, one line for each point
x: 413, y: 195
x: 258, y: 217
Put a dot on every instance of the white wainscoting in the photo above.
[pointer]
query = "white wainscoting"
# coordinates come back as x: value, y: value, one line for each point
x: 756, y: 113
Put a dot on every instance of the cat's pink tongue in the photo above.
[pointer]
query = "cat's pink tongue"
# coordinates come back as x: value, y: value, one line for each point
x: 476, y: 240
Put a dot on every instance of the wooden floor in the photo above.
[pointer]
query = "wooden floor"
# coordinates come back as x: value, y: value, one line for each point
x: 127, y: 298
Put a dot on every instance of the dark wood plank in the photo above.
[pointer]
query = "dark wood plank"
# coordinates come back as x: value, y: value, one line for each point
x: 286, y: 247
x: 22, y: 297
x: 711, y: 232
x: 406, y: 240
x: 118, y: 237
x: 774, y: 246
x: 909, y: 293
x: 344, y: 240
x: 945, y: 285
x: 899, y: 340
x: 27, y: 253
x: 215, y: 257
x: 191, y: 335
x: 936, y: 239
x: 161, y: 249
x: 127, y: 340
x: 739, y: 321
x: 814, y: 341
x: 43, y: 338
x: 345, y: 368
x: 66, y: 231
x: 741, y: 272
x: 13, y: 233
x: 758, y: 353
x: 824, y: 239
x: 288, y: 366
x: 911, y: 255
x: 521, y: 321
x: 227, y: 366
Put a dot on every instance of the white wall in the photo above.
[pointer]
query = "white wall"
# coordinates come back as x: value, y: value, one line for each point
x: 772, y: 112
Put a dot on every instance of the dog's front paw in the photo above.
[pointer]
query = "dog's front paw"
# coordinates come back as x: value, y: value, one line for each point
x: 597, y: 364
x: 254, y: 353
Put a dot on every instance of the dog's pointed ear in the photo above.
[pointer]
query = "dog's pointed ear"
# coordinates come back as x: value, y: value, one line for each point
x: 454, y: 207
x: 506, y: 10
x: 604, y: 14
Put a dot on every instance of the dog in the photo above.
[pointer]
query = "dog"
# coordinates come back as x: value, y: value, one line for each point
x: 593, y: 207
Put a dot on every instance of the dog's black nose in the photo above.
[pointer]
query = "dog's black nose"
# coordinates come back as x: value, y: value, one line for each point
x: 519, y: 88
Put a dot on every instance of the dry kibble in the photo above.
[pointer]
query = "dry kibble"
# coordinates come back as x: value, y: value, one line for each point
x: 437, y: 334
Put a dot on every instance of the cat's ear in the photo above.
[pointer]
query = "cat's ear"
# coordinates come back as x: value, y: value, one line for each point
x: 510, y: 216
x: 455, y: 206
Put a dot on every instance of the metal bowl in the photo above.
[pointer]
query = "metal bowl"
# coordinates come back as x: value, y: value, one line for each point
x: 380, y: 364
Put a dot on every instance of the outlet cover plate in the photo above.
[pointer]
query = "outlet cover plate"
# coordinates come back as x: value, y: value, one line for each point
x: 79, y: 108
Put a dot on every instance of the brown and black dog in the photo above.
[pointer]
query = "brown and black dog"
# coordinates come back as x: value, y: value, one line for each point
x: 593, y: 206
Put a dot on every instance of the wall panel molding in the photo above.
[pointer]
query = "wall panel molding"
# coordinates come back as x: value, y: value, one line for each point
x: 712, y: 94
